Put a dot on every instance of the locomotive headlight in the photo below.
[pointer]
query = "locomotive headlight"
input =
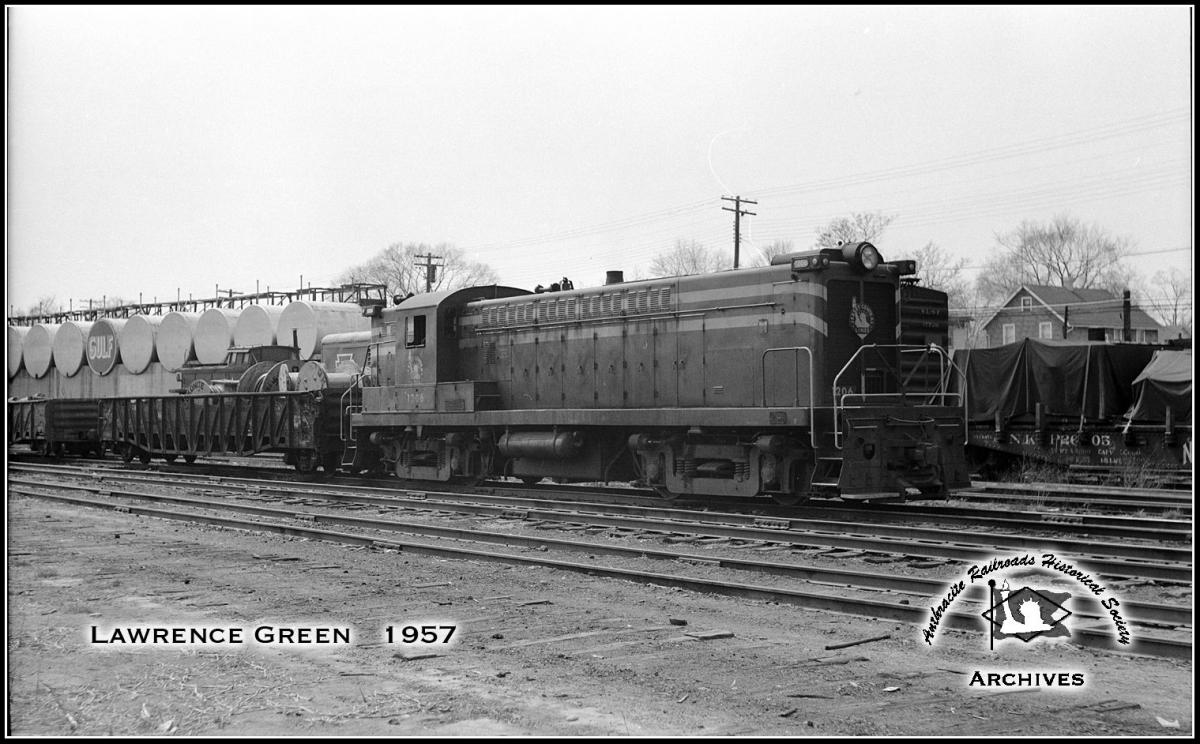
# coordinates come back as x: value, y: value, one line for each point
x: 863, y: 254
x: 868, y: 257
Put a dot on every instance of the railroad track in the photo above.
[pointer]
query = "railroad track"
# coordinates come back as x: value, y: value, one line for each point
x: 1130, y: 560
x: 1077, y: 496
x: 1079, y: 501
x: 916, y: 513
x: 856, y: 593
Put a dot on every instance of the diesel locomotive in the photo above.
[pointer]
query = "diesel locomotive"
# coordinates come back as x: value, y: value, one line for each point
x: 817, y: 375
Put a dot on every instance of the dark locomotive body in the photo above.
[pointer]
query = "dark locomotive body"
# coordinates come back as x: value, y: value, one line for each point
x: 786, y: 380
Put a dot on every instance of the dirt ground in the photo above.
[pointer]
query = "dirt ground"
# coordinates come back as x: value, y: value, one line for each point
x: 535, y: 651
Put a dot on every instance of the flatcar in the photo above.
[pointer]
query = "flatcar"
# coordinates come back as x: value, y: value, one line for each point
x: 1118, y: 407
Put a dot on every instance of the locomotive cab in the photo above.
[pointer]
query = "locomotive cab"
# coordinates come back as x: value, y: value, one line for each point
x: 417, y: 359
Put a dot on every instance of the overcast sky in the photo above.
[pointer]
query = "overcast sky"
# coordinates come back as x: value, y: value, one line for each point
x: 172, y: 150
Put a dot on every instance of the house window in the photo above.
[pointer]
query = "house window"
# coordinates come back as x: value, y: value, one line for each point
x: 1008, y: 333
x: 1026, y: 304
x: 1044, y: 330
x: 414, y: 331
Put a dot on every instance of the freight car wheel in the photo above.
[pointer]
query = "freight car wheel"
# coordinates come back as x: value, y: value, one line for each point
x: 331, y: 461
x: 189, y: 459
x: 170, y: 458
x: 144, y: 457
x: 126, y: 453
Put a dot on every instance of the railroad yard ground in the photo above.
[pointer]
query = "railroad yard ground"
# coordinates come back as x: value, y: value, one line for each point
x: 536, y: 651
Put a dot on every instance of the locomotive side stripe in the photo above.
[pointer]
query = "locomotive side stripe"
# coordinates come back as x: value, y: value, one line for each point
x: 808, y: 320
x: 691, y: 324
x: 745, y: 322
x: 708, y: 297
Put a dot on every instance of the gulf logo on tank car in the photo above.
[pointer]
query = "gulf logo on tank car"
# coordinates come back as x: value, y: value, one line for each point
x: 102, y: 349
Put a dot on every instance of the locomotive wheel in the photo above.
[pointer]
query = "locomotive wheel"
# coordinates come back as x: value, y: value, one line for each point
x: 664, y: 493
x: 934, y: 492
x: 789, y: 499
x: 306, y: 462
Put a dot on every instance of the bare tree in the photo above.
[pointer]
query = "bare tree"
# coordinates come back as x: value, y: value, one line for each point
x: 1063, y: 253
x: 396, y: 268
x: 688, y: 257
x: 858, y: 226
x: 937, y: 269
x: 46, y: 305
x: 769, y: 251
x: 1168, y: 297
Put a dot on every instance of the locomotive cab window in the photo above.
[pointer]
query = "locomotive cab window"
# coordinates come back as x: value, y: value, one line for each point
x: 414, y: 331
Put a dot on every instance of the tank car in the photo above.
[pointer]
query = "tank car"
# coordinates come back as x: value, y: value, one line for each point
x: 789, y: 380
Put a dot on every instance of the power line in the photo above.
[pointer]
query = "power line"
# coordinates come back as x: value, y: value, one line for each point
x: 430, y: 269
x: 1129, y: 126
x: 737, y: 222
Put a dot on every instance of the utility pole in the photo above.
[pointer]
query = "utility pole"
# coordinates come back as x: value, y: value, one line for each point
x: 430, y: 269
x: 737, y: 223
x: 1126, y: 326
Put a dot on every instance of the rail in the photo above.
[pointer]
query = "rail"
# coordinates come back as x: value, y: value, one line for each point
x: 796, y: 399
x: 938, y: 396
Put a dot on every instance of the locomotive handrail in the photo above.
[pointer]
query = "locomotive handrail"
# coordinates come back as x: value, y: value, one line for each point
x: 344, y: 428
x: 811, y: 400
x: 839, y: 402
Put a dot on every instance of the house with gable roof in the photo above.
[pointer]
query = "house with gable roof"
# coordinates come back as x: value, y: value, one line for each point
x: 1062, y: 314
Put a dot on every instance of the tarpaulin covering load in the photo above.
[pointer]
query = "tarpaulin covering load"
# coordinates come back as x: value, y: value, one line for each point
x: 1165, y: 383
x: 1069, y: 379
